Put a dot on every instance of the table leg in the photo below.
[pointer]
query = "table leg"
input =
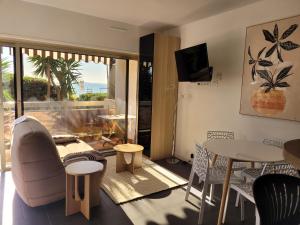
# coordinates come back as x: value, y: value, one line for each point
x: 72, y: 206
x: 95, y: 189
x: 225, y: 190
x: 214, y: 160
x: 77, y: 196
x: 138, y: 162
x: 85, y: 203
x: 121, y: 164
x: 131, y: 165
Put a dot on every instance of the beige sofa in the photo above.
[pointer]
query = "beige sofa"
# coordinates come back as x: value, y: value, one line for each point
x: 37, y: 167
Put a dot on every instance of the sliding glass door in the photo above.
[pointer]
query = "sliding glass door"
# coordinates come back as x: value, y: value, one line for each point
x: 7, y: 102
x: 83, y: 95
x: 90, y: 96
x: 132, y: 101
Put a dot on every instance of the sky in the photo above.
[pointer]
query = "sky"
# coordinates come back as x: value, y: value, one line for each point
x: 91, y: 72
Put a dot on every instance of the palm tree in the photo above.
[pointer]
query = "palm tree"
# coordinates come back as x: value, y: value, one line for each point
x: 44, y: 67
x: 67, y: 73
x: 6, y: 78
x: 5, y: 64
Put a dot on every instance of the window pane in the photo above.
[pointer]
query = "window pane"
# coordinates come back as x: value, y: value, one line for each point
x: 114, y: 118
x: 7, y: 102
x: 76, y: 94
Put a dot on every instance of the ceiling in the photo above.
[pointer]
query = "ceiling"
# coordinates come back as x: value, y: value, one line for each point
x: 153, y: 14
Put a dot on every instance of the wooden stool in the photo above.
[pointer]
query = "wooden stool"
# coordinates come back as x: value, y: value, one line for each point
x: 136, y: 157
x: 91, y: 170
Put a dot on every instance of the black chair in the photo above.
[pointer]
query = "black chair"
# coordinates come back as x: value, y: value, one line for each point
x: 277, y: 197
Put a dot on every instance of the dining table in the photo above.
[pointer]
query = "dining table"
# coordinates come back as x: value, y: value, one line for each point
x: 240, y: 151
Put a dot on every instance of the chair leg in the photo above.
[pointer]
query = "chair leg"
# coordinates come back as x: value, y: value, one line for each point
x: 203, y: 198
x: 226, y: 205
x: 212, y: 192
x: 189, y: 184
x: 237, y: 199
x: 257, y: 218
x: 242, y: 200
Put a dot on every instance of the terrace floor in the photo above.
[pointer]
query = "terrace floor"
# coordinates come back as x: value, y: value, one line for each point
x: 163, y: 208
x: 75, y: 122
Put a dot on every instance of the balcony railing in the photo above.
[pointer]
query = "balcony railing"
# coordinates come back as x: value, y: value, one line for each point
x: 58, y: 105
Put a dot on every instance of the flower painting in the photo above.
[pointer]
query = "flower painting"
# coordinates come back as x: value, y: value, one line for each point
x: 271, y: 77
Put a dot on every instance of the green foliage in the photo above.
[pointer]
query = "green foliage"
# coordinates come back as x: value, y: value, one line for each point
x: 5, y: 64
x: 42, y: 65
x: 65, y: 71
x: 7, y: 77
x: 34, y: 88
x: 7, y: 95
x: 92, y: 97
x: 8, y: 86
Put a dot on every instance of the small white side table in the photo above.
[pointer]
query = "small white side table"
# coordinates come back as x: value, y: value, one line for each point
x: 91, y: 170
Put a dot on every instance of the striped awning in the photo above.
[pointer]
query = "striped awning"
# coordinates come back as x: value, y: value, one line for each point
x: 66, y: 55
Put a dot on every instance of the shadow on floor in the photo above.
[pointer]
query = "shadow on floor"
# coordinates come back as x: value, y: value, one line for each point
x: 174, y: 220
x: 13, y: 211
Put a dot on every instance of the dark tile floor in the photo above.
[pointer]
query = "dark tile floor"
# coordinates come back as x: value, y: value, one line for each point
x: 164, y: 208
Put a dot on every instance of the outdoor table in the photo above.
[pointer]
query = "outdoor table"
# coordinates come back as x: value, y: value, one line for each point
x: 113, y: 119
x: 240, y: 151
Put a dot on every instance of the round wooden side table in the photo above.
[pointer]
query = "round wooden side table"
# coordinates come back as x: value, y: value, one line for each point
x: 91, y: 171
x: 136, y: 157
x: 291, y: 153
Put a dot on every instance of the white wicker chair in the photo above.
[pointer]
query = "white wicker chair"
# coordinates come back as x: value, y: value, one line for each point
x: 245, y: 190
x: 221, y: 161
x: 253, y: 173
x: 209, y: 175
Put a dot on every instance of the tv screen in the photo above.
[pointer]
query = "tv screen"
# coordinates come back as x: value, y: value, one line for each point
x: 192, y: 64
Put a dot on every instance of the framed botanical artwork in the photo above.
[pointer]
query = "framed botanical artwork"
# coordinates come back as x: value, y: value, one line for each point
x: 271, y: 76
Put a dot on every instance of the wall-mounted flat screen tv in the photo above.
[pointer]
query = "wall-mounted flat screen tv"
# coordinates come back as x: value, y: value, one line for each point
x: 192, y: 64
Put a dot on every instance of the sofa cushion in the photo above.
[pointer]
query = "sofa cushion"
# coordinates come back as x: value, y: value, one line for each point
x: 64, y: 138
x: 87, y: 155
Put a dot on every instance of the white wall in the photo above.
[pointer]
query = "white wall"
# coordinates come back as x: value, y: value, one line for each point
x: 20, y: 19
x: 216, y: 106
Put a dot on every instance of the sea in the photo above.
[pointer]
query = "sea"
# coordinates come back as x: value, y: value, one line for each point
x: 88, y: 87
